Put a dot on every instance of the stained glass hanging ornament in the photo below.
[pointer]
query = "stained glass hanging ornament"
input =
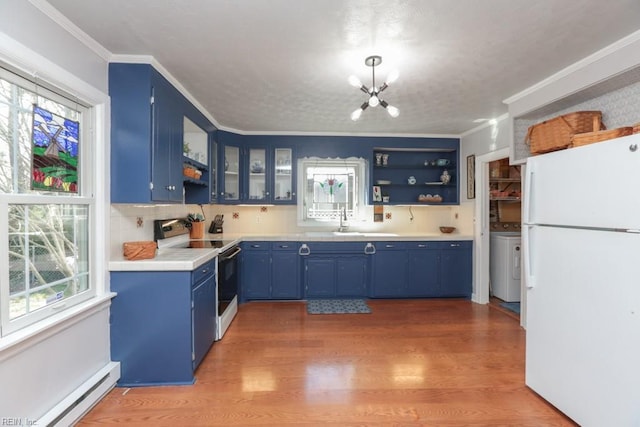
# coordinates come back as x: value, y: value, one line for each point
x: 331, y: 185
x: 54, y: 163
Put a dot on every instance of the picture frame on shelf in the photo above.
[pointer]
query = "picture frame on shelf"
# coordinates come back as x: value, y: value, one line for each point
x: 471, y: 176
x: 377, y: 194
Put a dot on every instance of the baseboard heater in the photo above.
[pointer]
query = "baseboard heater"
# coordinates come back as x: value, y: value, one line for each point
x: 75, y: 405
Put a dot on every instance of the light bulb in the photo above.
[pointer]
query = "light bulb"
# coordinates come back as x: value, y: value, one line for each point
x: 354, y: 81
x: 374, y: 101
x: 392, y: 77
x: 356, y: 114
x: 393, y: 111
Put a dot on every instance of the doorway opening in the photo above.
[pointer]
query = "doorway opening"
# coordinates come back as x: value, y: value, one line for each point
x: 497, y: 219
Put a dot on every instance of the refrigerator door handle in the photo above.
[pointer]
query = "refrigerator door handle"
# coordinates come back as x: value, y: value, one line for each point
x: 526, y: 262
x: 527, y: 193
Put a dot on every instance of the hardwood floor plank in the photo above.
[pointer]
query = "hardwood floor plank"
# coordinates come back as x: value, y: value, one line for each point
x: 408, y: 363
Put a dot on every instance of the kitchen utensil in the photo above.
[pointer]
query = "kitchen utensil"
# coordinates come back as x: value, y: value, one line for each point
x: 447, y: 229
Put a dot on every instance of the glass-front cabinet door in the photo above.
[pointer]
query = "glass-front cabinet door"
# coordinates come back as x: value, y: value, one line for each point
x: 213, y: 165
x: 283, y: 190
x: 257, y: 182
x: 231, y: 173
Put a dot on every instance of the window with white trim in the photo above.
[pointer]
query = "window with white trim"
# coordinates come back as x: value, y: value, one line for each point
x: 329, y: 189
x: 45, y: 211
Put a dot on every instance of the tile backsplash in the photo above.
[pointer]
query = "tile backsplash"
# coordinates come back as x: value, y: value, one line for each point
x: 135, y: 222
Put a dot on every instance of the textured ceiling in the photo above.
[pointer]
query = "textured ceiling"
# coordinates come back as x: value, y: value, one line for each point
x: 282, y: 65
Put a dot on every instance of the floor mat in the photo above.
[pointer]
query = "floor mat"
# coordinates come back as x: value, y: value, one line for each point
x: 337, y: 306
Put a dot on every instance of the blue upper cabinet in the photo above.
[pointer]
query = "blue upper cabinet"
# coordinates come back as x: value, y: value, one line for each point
x: 253, y: 172
x: 147, y: 132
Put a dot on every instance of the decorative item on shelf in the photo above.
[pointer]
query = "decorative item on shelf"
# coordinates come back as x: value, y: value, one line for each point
x: 442, y: 162
x: 226, y: 164
x: 428, y: 198
x: 385, y: 160
x: 385, y: 198
x: 411, y: 180
x: 447, y: 230
x: 383, y: 182
x: 257, y: 166
x: 377, y: 195
x: 378, y: 159
x: 445, y: 177
x: 555, y: 134
x: 586, y: 138
x: 375, y: 91
x: 191, y: 172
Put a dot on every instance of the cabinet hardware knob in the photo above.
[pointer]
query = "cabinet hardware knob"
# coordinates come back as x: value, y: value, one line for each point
x: 633, y: 148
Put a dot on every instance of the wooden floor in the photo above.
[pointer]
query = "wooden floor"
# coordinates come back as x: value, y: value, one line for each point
x: 409, y: 363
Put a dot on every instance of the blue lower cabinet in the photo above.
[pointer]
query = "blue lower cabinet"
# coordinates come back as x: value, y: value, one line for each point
x: 285, y: 271
x: 320, y: 277
x: 270, y: 270
x: 351, y: 276
x: 203, y: 317
x: 390, y: 270
x: 329, y: 276
x: 456, y: 269
x: 162, y: 324
x: 256, y: 271
x: 424, y: 269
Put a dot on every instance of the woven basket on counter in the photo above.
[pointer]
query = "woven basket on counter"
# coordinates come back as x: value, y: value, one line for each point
x: 555, y: 134
x: 134, y: 251
x: 591, y: 137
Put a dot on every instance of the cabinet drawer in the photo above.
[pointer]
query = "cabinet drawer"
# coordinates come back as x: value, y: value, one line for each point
x: 390, y: 246
x: 457, y: 244
x: 424, y: 245
x: 204, y: 270
x: 284, y: 246
x: 256, y: 246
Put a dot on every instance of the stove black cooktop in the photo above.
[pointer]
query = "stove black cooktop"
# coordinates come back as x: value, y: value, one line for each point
x: 207, y: 244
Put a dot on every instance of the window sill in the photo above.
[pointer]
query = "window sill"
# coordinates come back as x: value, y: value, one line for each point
x: 33, y: 334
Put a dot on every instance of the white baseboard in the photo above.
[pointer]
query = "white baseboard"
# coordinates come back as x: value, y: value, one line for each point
x: 75, y: 405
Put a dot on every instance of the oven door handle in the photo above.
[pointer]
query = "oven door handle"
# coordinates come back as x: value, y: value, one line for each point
x: 233, y: 255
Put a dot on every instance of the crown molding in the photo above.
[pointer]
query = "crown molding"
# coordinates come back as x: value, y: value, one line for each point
x: 56, y: 16
x: 583, y: 63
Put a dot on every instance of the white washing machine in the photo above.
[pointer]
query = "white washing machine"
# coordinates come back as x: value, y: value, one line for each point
x: 505, y: 262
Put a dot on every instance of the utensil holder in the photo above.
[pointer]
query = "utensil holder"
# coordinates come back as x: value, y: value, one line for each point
x: 197, y: 230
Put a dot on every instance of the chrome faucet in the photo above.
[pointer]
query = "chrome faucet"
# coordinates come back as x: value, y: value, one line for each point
x: 343, y: 219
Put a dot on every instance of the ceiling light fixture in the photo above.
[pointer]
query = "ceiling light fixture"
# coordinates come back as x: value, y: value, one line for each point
x: 374, y: 93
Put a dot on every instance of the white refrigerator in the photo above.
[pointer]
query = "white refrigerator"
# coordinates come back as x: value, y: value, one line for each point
x: 581, y: 242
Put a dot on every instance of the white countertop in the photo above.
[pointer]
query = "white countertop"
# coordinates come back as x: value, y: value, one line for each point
x: 187, y: 259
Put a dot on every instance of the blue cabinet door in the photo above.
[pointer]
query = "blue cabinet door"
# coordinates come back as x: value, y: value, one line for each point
x: 150, y: 323
x: 424, y: 269
x: 285, y: 272
x: 131, y: 124
x: 256, y: 271
x: 389, y: 270
x: 320, y: 276
x: 203, y: 318
x: 166, y: 168
x: 147, y: 115
x: 351, y: 275
x: 456, y: 269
